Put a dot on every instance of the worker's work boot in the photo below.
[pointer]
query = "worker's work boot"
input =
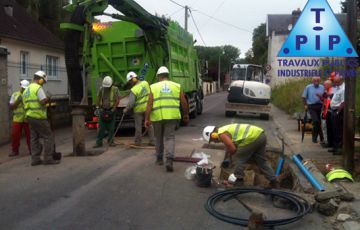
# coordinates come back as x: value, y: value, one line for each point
x: 34, y: 163
x: 97, y: 146
x: 159, y: 161
x: 112, y: 144
x: 51, y: 162
x: 169, y: 165
x: 13, y: 154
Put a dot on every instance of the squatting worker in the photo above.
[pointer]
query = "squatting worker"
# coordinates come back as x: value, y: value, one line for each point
x: 163, y: 111
x: 243, y: 141
x: 138, y: 98
x: 312, y: 103
x: 108, y: 98
x: 337, y: 105
x: 35, y: 101
x: 19, y: 122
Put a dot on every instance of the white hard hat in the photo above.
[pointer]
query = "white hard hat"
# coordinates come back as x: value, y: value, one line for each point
x: 162, y: 70
x: 41, y: 74
x: 24, y: 84
x: 107, y: 82
x: 207, y: 132
x: 130, y: 75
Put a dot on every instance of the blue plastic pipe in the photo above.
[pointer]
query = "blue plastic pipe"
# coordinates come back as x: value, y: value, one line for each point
x: 280, y: 166
x: 307, y: 173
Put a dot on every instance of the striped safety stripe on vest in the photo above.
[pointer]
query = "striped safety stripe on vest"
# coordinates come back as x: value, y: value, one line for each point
x: 249, y: 133
x: 19, y: 112
x: 141, y: 92
x: 32, y: 106
x: 166, y: 101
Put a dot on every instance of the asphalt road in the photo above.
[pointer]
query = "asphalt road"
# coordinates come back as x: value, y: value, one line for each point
x: 120, y: 189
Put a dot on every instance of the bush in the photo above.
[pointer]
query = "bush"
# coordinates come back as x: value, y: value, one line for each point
x: 288, y: 96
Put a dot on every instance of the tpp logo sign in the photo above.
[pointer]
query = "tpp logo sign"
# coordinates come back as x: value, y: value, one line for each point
x: 317, y: 33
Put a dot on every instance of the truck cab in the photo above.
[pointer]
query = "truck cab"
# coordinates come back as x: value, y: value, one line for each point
x: 248, y: 91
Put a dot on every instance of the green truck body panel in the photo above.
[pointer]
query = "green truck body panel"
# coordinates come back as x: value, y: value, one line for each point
x: 122, y: 46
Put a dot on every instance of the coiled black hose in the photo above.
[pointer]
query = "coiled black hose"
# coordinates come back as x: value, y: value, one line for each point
x: 300, y: 206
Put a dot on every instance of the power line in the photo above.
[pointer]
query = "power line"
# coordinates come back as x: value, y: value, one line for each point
x: 192, y: 17
x: 177, y: 3
x: 223, y: 22
x: 215, y: 11
x: 175, y: 12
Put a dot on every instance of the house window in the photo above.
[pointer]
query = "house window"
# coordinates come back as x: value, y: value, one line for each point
x: 24, y: 63
x: 52, y: 66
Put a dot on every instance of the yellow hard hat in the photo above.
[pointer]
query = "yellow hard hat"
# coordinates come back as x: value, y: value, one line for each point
x: 339, y: 174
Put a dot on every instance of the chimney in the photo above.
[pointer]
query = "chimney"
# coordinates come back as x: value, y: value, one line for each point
x: 9, y: 10
x: 295, y: 16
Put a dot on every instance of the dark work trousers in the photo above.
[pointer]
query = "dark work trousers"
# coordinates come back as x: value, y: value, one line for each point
x: 315, y: 112
x: 329, y: 128
x: 337, y: 128
x: 164, y: 131
x: 40, y: 128
x: 256, y: 150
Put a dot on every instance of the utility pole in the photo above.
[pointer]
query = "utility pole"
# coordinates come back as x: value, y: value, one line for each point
x: 350, y: 93
x: 186, y: 17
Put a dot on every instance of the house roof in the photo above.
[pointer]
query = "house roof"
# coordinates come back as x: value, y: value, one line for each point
x: 279, y: 23
x: 21, y: 26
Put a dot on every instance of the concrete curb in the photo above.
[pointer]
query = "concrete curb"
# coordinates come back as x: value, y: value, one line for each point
x: 301, y: 179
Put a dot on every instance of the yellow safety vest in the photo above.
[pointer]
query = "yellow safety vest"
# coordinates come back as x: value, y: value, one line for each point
x: 166, y: 105
x: 141, y: 92
x: 112, y: 94
x: 19, y: 112
x: 242, y: 134
x: 32, y: 106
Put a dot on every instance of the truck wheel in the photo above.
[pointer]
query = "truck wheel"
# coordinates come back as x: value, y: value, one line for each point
x: 199, y: 106
x: 264, y: 116
x: 230, y: 113
x: 194, y: 113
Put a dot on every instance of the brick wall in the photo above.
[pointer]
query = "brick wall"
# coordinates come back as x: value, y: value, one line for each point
x: 4, y: 98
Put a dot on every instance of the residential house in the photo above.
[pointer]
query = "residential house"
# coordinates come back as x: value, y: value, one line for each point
x: 31, y: 48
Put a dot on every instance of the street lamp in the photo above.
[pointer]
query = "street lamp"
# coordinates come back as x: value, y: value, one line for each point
x: 219, y: 67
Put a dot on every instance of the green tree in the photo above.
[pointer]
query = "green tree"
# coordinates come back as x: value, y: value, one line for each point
x: 48, y: 13
x: 259, y: 45
x: 228, y: 54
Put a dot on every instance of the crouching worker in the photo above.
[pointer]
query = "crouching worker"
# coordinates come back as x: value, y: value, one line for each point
x: 243, y: 142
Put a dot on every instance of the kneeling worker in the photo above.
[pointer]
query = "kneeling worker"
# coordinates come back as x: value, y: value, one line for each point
x: 138, y: 100
x: 243, y: 141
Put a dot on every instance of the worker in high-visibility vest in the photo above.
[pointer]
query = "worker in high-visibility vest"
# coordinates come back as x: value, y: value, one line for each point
x: 108, y: 98
x: 163, y: 111
x: 243, y: 141
x: 35, y: 101
x: 138, y: 98
x: 19, y: 122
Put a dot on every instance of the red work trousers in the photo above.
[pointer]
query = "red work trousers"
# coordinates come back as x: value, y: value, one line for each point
x: 17, y: 128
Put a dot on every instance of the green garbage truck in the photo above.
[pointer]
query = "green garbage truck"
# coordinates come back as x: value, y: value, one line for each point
x: 136, y: 41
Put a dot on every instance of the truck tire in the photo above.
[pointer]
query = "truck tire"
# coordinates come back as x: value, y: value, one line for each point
x: 264, y: 116
x: 199, y: 106
x: 194, y: 113
x: 230, y: 113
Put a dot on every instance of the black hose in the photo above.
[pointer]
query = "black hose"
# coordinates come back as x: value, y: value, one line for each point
x: 300, y: 206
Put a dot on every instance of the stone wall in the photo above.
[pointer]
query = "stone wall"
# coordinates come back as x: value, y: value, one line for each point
x: 4, y: 98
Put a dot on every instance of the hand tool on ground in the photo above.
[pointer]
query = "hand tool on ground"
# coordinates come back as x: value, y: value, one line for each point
x: 118, y: 126
x: 304, y: 126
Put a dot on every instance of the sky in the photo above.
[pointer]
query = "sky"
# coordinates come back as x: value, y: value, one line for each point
x: 233, y: 20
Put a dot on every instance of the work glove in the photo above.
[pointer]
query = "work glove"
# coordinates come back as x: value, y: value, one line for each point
x: 125, y: 110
